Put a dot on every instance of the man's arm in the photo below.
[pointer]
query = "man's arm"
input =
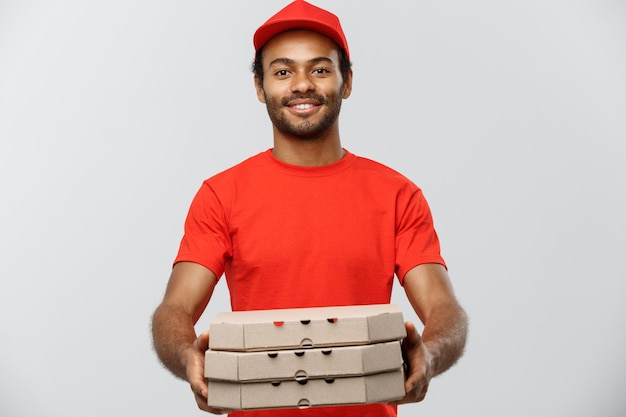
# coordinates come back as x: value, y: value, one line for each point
x: 441, y: 344
x: 188, y: 292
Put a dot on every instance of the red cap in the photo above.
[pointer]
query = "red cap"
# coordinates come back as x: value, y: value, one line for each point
x: 301, y: 15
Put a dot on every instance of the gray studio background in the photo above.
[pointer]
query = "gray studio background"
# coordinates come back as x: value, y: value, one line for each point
x: 511, y: 115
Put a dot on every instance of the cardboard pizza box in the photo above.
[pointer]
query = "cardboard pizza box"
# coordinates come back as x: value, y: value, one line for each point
x: 303, y: 363
x: 376, y: 388
x: 306, y: 327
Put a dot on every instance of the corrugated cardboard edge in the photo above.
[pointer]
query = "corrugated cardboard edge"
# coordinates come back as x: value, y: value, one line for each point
x: 228, y: 329
x: 377, y: 388
x: 310, y: 363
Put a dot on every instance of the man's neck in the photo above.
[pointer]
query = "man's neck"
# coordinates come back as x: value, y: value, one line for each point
x: 308, y: 152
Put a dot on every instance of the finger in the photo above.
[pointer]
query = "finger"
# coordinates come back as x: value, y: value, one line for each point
x: 412, y: 338
x: 197, y: 381
x: 422, y: 394
x: 202, y: 403
x: 200, y: 387
x: 415, y: 361
x: 195, y: 366
x: 201, y: 344
x: 409, y: 346
x: 200, y: 393
x: 416, y: 395
x: 218, y: 410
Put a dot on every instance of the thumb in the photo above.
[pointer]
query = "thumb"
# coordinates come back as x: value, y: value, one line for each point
x: 412, y: 339
x: 410, y: 345
x: 201, y: 344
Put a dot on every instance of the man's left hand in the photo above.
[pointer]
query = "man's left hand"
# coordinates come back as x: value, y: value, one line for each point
x: 418, y: 366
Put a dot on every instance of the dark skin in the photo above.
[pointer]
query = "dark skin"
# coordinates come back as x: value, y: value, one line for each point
x: 301, y: 86
x: 301, y: 64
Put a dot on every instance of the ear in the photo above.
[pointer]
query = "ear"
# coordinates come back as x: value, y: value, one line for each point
x: 347, y: 86
x: 260, y: 93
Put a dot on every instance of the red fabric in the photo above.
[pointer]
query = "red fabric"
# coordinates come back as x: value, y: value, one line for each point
x: 369, y: 410
x: 288, y: 236
x: 301, y: 15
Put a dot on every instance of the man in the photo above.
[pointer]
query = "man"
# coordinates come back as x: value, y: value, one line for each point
x: 307, y: 223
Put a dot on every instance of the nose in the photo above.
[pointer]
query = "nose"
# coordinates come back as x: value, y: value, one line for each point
x: 302, y: 82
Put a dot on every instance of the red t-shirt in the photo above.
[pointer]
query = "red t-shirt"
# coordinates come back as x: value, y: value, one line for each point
x: 287, y: 236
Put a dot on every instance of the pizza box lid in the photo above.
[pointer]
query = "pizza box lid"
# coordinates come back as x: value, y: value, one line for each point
x: 302, y: 364
x: 261, y: 330
x: 376, y: 388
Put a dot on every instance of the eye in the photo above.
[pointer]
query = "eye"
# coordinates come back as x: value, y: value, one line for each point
x: 321, y: 71
x: 281, y: 73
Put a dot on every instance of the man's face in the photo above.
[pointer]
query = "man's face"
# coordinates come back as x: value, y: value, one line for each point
x: 302, y: 85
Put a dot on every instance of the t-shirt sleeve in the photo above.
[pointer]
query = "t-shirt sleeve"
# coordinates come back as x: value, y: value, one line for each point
x: 206, y: 240
x: 416, y: 239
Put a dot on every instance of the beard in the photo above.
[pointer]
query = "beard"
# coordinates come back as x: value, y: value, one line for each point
x: 305, y: 129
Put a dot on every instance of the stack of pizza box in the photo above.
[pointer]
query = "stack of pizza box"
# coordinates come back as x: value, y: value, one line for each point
x: 305, y: 357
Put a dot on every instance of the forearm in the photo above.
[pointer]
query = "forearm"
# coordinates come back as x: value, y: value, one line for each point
x: 445, y: 334
x: 173, y: 334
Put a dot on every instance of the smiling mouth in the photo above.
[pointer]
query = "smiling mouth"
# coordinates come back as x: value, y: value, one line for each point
x: 303, y: 106
x: 303, y: 102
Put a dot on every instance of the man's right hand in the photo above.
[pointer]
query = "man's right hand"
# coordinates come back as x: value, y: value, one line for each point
x: 195, y: 374
x: 174, y: 336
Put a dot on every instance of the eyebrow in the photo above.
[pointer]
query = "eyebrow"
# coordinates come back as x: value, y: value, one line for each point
x: 289, y: 61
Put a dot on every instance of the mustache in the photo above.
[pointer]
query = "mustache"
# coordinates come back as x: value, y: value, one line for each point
x: 310, y: 96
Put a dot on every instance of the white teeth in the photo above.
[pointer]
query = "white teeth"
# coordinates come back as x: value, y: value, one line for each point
x: 302, y: 106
